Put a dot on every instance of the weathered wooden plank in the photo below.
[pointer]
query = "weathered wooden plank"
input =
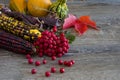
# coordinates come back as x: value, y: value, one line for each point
x: 97, y: 53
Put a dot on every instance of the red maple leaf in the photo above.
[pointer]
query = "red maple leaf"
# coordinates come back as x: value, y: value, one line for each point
x: 86, y: 20
x: 81, y: 25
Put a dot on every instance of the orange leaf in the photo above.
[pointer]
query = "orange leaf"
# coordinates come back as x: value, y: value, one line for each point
x: 86, y: 20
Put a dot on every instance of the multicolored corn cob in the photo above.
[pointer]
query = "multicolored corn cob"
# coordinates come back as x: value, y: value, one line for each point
x: 16, y: 44
x: 19, y: 28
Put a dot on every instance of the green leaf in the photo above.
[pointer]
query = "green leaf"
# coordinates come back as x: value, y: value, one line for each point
x: 70, y: 37
x: 37, y: 47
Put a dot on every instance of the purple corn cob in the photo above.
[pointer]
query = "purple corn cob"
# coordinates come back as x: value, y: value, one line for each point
x: 15, y: 44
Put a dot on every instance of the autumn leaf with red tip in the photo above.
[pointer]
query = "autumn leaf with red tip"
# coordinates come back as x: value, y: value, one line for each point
x: 79, y: 24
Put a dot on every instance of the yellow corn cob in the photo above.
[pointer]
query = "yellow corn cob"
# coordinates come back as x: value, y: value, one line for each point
x: 18, y: 28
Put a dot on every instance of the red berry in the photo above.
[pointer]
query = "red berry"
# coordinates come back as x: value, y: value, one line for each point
x: 54, y: 37
x: 60, y: 49
x: 73, y: 62
x: 69, y: 64
x: 45, y: 37
x: 51, y: 39
x: 65, y: 44
x: 65, y: 63
x: 68, y: 46
x: 40, y: 54
x: 33, y: 71
x: 41, y: 45
x: 60, y: 45
x: 41, y: 51
x: 59, y: 55
x: 54, y: 29
x: 49, y: 34
x: 28, y: 56
x: 44, y: 61
x: 41, y: 40
x: 53, y: 57
x: 49, y: 54
x: 54, y: 47
x: 45, y: 45
x: 63, y: 52
x: 53, y: 70
x: 54, y: 42
x: 37, y: 50
x: 52, y: 34
x: 47, y: 74
x: 36, y: 43
x: 63, y: 39
x: 53, y: 51
x: 60, y: 62
x: 30, y: 61
x: 64, y: 49
x: 62, y: 70
x: 50, y: 46
x: 58, y: 41
x: 45, y: 51
x: 49, y: 50
x: 62, y: 35
x: 37, y: 63
x: 45, y: 32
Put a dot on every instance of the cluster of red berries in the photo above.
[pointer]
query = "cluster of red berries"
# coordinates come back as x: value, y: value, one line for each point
x: 66, y: 63
x: 53, y: 69
x: 37, y: 63
x: 51, y: 44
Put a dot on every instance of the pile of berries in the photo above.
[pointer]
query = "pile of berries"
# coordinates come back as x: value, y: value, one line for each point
x: 51, y: 44
x: 68, y: 63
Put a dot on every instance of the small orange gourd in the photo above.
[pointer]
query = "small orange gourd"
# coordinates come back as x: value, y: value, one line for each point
x: 18, y: 5
x: 38, y: 8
